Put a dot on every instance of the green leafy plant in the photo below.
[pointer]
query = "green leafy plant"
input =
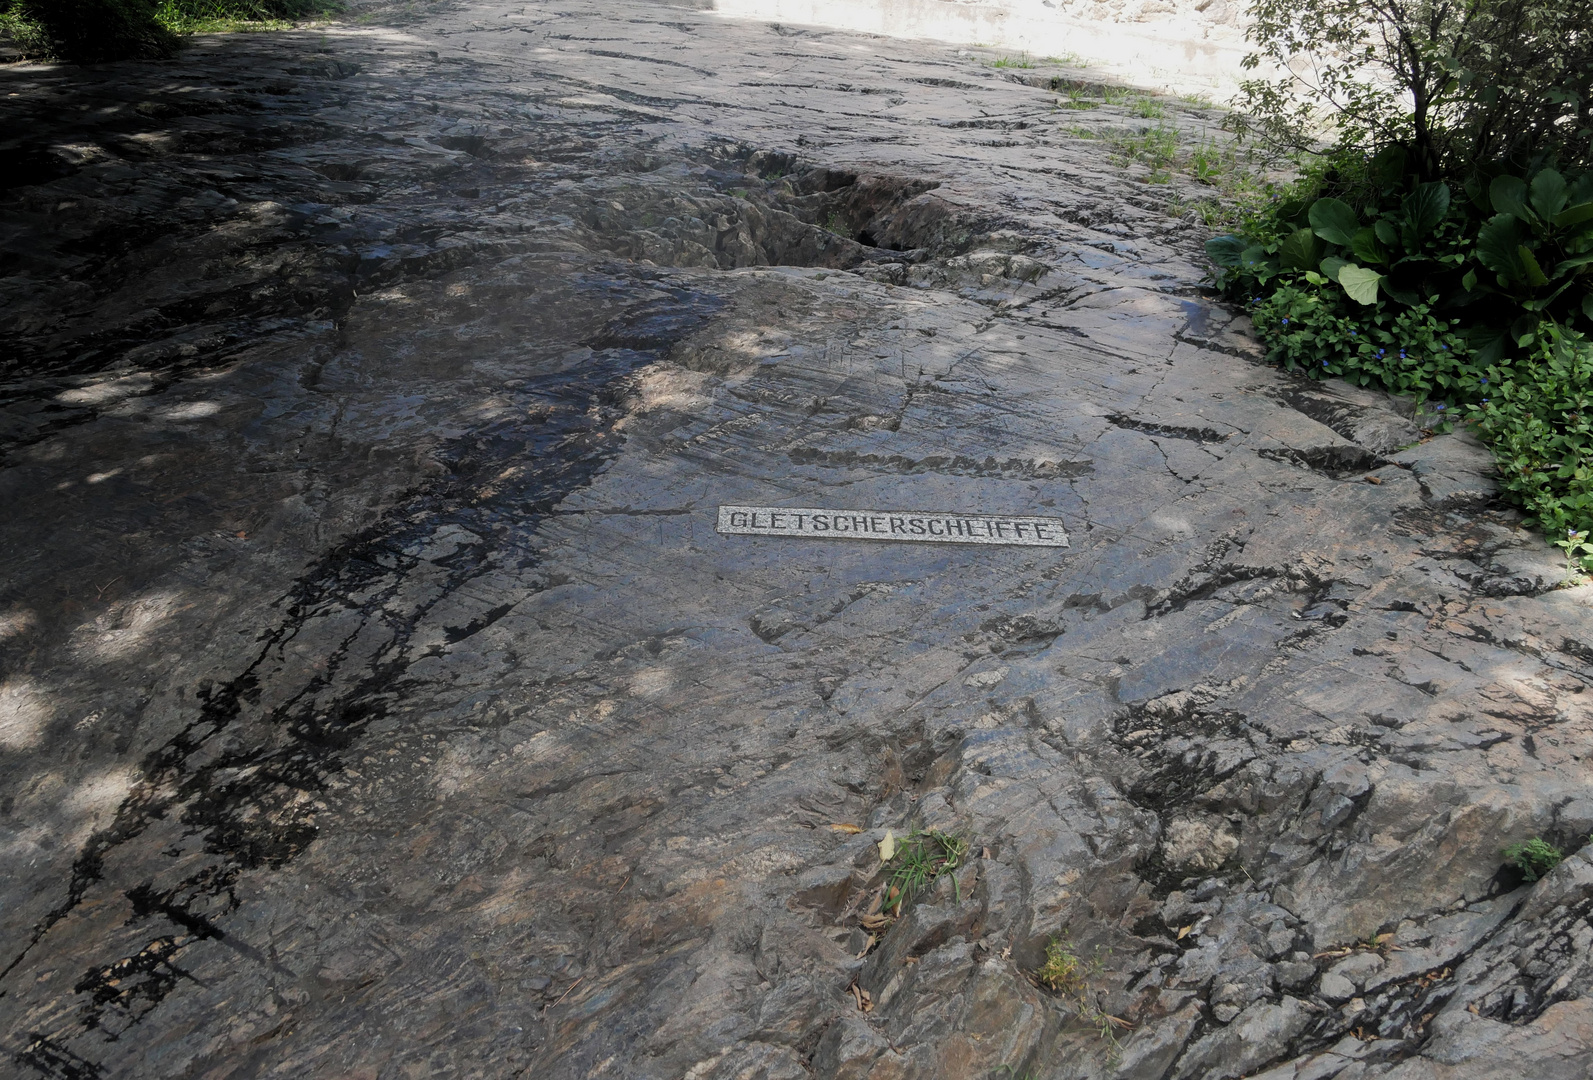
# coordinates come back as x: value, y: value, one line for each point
x: 1578, y: 552
x: 1534, y: 857
x: 917, y: 861
x: 1537, y: 414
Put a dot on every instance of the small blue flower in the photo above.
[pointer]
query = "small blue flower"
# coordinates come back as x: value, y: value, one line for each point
x: 1285, y: 322
x: 1440, y: 408
x: 1324, y: 363
x: 1379, y: 352
x: 1402, y: 354
x: 1352, y: 333
x: 1444, y: 347
x: 1485, y: 382
x: 1485, y: 401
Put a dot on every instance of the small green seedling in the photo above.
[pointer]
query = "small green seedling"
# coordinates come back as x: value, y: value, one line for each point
x: 1534, y: 857
x: 1014, y: 62
x: 1578, y: 551
x: 919, y: 860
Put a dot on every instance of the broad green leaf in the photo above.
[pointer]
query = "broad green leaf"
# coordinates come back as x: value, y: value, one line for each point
x: 1334, y: 221
x: 1548, y: 193
x: 1360, y: 284
x: 1364, y: 244
x: 1315, y: 278
x: 1509, y: 196
x: 1574, y: 215
x: 1497, y: 244
x: 1385, y: 232
x: 1255, y: 260
x: 1225, y: 250
x: 1388, y: 166
x: 1488, y: 344
x: 1529, y: 263
x: 1426, y: 207
x: 1300, y: 250
x: 1407, y: 297
x: 1331, y: 266
x: 1587, y: 305
x: 1573, y: 263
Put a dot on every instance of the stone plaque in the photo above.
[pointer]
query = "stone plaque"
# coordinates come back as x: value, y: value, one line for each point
x: 910, y: 525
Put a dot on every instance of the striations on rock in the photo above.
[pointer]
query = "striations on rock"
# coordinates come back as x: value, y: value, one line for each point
x: 377, y: 698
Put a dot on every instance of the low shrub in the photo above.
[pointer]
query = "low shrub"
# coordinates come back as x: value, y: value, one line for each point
x: 86, y: 31
x: 97, y: 31
x: 1477, y: 305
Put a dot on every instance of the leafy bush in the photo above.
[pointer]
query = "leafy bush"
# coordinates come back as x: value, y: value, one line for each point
x: 86, y: 31
x: 96, y: 31
x: 1538, y: 416
x: 1478, y: 303
x: 1501, y: 259
x: 1534, y: 857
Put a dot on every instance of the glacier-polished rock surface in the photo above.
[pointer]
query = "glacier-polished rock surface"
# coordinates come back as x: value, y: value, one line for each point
x: 379, y: 699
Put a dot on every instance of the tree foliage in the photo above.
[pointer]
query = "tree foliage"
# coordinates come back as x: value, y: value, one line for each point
x: 1461, y: 85
x: 87, y: 31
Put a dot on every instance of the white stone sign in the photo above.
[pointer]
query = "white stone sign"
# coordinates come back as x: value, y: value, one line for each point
x: 911, y: 525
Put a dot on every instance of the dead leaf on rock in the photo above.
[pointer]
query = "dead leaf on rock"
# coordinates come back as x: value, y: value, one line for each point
x: 873, y: 922
x: 846, y: 827
x: 887, y: 847
x: 864, y: 1002
x: 1184, y: 932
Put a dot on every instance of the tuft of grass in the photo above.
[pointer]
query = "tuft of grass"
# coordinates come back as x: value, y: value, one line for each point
x: 1077, y: 99
x: 1021, y: 61
x: 1148, y: 109
x: 1534, y: 857
x: 1199, y: 101
x: 1155, y: 147
x: 919, y: 860
x: 1069, y: 975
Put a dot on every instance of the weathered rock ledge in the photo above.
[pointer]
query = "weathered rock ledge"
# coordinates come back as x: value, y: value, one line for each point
x: 378, y: 699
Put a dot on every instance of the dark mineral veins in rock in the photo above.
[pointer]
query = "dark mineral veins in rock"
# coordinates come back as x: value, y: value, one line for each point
x: 380, y: 701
